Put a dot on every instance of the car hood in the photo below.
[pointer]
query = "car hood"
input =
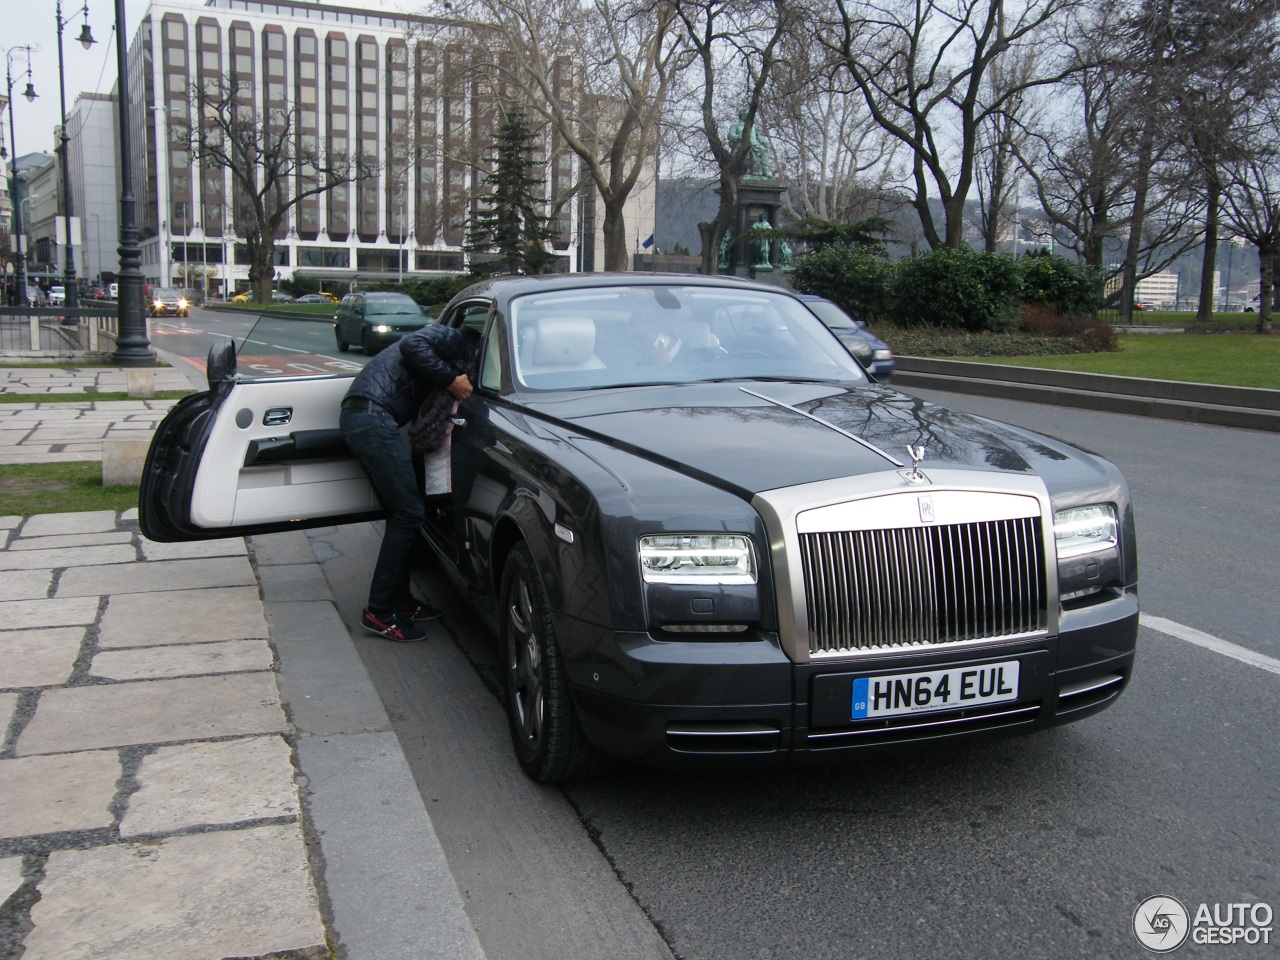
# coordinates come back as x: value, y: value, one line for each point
x: 751, y: 436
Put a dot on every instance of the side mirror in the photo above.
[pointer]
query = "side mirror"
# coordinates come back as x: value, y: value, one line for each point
x: 221, y: 366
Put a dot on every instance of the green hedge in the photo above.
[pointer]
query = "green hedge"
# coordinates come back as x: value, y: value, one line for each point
x: 856, y: 277
x: 958, y: 289
x: 1069, y: 286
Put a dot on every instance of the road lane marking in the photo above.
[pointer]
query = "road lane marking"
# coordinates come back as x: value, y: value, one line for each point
x: 1210, y: 642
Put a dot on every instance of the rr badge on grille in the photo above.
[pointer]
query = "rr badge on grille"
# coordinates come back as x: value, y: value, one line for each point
x: 926, y: 510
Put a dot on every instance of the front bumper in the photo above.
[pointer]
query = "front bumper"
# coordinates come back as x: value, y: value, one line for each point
x: 882, y: 370
x: 744, y: 703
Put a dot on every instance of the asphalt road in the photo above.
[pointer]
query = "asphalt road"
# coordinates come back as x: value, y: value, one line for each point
x: 1041, y: 846
x: 306, y: 345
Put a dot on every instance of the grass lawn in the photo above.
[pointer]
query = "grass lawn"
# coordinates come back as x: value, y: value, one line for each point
x: 82, y: 397
x: 1236, y: 359
x: 309, y: 310
x: 29, y: 488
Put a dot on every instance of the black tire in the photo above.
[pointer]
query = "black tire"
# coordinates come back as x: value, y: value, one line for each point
x: 343, y: 346
x: 366, y: 344
x: 545, y: 732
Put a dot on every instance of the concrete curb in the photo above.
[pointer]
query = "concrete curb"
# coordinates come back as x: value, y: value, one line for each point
x: 388, y: 889
x: 1245, y: 407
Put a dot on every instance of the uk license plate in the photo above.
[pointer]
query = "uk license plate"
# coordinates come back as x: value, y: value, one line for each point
x: 956, y: 688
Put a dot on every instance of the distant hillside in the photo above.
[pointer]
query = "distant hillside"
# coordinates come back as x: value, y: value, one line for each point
x: 682, y: 205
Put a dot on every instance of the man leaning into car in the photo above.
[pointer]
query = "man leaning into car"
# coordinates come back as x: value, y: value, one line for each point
x: 382, y: 398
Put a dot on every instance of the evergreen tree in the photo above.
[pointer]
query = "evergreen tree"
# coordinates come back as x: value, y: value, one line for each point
x: 510, y: 221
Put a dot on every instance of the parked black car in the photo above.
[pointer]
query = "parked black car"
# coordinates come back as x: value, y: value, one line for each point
x: 374, y: 320
x: 869, y: 350
x: 703, y: 535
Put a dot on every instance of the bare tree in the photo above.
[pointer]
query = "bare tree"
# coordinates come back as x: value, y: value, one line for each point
x: 599, y: 73
x: 921, y: 66
x: 1003, y: 133
x: 271, y: 169
x: 1251, y: 196
x: 1218, y: 62
x: 836, y: 161
x: 1115, y: 191
x: 736, y: 46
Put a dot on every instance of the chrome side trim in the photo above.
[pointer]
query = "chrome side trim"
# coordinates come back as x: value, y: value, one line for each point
x: 1088, y: 686
x: 725, y: 730
x: 911, y: 727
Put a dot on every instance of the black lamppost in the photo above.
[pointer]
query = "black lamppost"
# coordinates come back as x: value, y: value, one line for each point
x: 132, y: 348
x: 19, y: 261
x: 86, y: 41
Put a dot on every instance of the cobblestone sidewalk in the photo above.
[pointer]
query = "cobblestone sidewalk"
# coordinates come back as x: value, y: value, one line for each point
x: 148, y: 806
x: 36, y: 432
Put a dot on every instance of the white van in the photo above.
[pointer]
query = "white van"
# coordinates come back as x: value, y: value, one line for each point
x: 113, y: 291
x: 57, y: 296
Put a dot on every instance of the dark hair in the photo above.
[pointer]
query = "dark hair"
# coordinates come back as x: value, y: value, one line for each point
x: 471, y: 336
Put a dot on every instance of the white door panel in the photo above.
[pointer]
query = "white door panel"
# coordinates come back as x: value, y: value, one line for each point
x: 228, y: 493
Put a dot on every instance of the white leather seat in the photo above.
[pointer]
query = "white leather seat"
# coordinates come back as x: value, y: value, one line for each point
x: 559, y: 344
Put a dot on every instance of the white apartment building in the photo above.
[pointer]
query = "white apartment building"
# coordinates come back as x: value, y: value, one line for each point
x: 360, y: 84
x: 95, y: 188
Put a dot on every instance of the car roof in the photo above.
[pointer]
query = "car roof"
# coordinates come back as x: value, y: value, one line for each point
x: 509, y: 287
x: 385, y: 295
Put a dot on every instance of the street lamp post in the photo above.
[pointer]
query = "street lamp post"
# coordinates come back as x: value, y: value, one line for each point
x: 86, y: 41
x: 19, y: 260
x: 21, y: 208
x: 132, y: 348
x: 97, y: 246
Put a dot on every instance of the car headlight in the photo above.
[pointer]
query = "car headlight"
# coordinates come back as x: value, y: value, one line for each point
x: 381, y: 328
x: 182, y: 303
x: 1082, y: 530
x: 702, y: 558
x: 157, y: 304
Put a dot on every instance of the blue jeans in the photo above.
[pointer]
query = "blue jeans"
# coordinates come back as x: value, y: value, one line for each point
x: 372, y: 435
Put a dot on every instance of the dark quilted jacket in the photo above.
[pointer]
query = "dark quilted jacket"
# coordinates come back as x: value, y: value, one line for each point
x: 401, y: 375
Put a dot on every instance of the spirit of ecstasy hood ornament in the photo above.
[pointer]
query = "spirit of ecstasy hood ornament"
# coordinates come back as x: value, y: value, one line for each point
x: 916, y: 454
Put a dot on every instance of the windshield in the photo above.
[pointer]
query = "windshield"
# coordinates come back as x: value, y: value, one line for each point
x: 618, y: 336
x: 831, y: 315
x: 164, y: 293
x: 383, y: 308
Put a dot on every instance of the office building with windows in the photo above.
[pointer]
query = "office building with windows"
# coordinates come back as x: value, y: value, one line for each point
x: 390, y: 91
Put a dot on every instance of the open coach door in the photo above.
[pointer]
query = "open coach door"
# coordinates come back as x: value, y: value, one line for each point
x: 259, y: 452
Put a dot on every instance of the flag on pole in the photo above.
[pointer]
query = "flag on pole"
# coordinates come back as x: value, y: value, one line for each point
x: 648, y: 243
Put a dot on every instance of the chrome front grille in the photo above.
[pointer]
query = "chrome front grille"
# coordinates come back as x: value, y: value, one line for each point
x: 869, y: 590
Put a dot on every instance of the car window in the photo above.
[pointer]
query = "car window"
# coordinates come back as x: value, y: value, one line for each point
x: 279, y: 347
x: 491, y: 362
x: 831, y: 315
x: 382, y: 308
x: 614, y: 336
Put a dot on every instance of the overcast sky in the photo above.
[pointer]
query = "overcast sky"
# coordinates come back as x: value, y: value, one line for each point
x: 35, y: 22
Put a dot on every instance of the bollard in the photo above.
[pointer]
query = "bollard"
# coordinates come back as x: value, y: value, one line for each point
x: 140, y: 382
x: 122, y: 461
